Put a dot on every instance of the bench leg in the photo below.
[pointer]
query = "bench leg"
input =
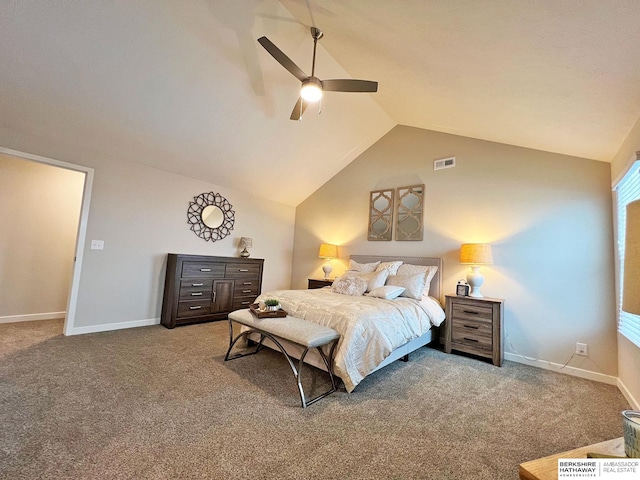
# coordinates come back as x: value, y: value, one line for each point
x: 328, y: 361
x: 233, y: 341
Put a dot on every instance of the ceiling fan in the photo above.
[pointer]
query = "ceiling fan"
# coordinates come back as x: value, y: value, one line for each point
x: 312, y: 86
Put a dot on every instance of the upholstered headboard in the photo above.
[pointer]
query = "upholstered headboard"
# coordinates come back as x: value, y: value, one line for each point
x: 435, y: 290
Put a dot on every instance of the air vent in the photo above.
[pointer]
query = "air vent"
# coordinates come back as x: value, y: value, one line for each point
x: 444, y: 163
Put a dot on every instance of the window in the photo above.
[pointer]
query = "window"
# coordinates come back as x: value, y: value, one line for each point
x: 627, y: 190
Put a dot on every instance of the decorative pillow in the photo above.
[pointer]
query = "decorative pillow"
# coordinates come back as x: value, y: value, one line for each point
x: 413, y: 284
x: 363, y: 267
x: 392, y: 267
x: 373, y: 279
x: 388, y: 292
x: 429, y: 271
x: 349, y: 285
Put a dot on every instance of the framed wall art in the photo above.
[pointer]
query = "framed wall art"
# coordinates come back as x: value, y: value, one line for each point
x: 380, y: 215
x: 409, y: 206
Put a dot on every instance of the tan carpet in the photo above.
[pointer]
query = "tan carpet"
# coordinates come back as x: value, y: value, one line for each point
x: 152, y: 403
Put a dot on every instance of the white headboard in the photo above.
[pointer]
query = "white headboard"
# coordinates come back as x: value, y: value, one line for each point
x: 435, y: 290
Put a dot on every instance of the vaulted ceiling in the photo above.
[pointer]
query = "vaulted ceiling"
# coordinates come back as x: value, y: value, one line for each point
x: 185, y: 86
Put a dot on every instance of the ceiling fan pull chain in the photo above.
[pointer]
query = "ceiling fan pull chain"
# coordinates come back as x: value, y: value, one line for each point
x: 320, y: 106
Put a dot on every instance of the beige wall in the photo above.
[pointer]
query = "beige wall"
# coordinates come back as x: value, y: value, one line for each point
x: 547, y: 216
x: 628, y: 353
x: 39, y: 208
x: 141, y: 214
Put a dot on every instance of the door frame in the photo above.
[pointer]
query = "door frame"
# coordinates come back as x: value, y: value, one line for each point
x: 69, y: 319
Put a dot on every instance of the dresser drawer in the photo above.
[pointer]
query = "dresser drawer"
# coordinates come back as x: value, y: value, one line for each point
x: 245, y: 288
x: 243, y: 302
x: 195, y: 289
x: 202, y: 269
x: 242, y: 270
x: 193, y: 308
x: 472, y: 311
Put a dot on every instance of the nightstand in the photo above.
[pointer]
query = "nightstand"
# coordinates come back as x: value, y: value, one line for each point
x: 474, y: 325
x: 319, y: 282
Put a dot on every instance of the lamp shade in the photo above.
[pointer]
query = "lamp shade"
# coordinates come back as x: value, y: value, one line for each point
x: 328, y: 251
x: 476, y: 253
x: 631, y: 281
x: 246, y: 242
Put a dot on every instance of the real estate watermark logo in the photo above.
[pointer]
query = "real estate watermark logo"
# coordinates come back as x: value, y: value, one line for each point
x: 603, y: 468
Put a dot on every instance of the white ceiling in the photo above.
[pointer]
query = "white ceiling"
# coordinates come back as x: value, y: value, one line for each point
x: 185, y: 87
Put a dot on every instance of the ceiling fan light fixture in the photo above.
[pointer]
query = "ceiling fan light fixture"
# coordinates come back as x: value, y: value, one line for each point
x: 311, y: 90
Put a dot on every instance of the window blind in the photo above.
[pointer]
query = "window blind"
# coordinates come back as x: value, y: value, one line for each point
x: 627, y: 190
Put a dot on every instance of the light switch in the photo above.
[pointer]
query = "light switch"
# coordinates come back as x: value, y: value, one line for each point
x: 97, y: 244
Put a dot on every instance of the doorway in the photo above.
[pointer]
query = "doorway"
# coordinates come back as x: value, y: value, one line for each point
x: 80, y: 233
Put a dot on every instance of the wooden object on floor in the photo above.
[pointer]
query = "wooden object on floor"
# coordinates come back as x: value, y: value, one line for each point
x: 319, y: 283
x: 474, y: 325
x: 200, y: 288
x: 547, y: 468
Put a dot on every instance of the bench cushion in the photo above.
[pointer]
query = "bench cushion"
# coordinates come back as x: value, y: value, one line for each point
x: 296, y: 330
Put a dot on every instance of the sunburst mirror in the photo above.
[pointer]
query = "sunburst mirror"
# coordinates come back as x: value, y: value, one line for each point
x: 211, y: 216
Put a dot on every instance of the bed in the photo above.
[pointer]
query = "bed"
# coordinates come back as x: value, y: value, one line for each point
x: 374, y: 331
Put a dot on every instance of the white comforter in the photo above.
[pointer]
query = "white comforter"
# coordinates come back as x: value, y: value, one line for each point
x: 370, y: 328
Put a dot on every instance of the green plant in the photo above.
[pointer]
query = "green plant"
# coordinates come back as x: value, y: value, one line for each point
x: 271, y: 302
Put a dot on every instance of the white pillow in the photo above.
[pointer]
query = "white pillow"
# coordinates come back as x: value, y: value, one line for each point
x: 392, y: 267
x: 429, y: 271
x: 363, y: 267
x: 413, y: 284
x: 388, y: 292
x: 349, y: 285
x: 373, y: 279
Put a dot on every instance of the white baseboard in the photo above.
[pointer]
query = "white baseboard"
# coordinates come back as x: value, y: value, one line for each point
x: 557, y: 367
x: 635, y: 404
x: 32, y: 317
x: 106, y: 327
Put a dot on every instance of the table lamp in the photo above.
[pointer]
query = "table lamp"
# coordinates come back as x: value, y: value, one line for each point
x: 244, y: 243
x: 475, y: 254
x: 327, y: 251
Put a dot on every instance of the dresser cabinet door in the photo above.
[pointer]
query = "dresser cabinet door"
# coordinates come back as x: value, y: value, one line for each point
x: 222, y: 296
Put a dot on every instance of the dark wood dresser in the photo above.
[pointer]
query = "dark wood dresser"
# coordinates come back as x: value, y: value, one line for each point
x: 200, y: 288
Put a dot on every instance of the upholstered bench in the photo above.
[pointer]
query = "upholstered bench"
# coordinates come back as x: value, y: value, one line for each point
x: 301, y: 332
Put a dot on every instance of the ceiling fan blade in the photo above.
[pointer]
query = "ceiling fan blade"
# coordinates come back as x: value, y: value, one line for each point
x: 282, y: 59
x: 349, y: 85
x: 299, y: 109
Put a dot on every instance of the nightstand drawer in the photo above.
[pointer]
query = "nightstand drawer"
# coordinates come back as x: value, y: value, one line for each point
x: 474, y: 340
x: 472, y: 311
x: 472, y: 327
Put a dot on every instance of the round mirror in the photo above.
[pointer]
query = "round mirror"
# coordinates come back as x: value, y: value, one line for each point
x: 212, y: 216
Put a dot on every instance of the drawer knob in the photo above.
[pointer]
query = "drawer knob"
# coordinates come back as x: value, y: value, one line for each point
x: 205, y: 269
x: 246, y: 283
x: 472, y: 326
x: 197, y: 284
x: 471, y: 312
x: 470, y: 339
x: 196, y: 294
x: 243, y: 270
x: 246, y: 303
x: 198, y: 307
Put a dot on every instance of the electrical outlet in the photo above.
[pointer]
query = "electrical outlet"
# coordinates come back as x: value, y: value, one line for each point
x: 581, y: 349
x: 97, y: 244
